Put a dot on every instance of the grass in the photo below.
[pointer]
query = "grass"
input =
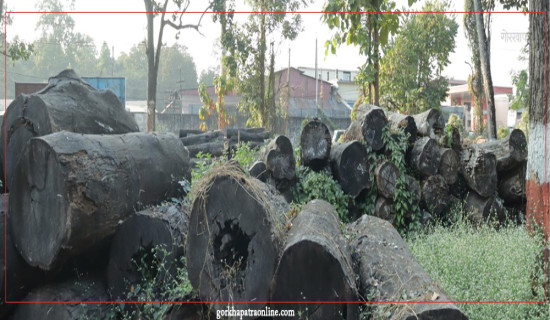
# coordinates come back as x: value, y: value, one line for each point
x: 484, y: 264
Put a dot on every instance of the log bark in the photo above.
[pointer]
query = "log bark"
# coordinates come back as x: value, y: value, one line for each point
x: 511, y: 184
x: 415, y: 190
x: 234, y: 132
x: 66, y: 103
x: 480, y: 209
x: 278, y: 156
x: 235, y: 236
x: 214, y: 148
x: 510, y: 151
x: 398, y: 121
x: 163, y: 228
x: 449, y: 165
x: 17, y: 277
x: 430, y: 124
x: 424, y: 157
x: 388, y: 271
x: 386, y: 174
x: 186, y: 132
x: 479, y: 169
x: 71, y: 190
x: 372, y: 121
x: 383, y: 209
x: 435, y: 195
x: 259, y: 171
x: 315, y: 143
x: 349, y: 166
x: 206, y: 137
x: 316, y: 266
x: 91, y: 291
x: 245, y: 136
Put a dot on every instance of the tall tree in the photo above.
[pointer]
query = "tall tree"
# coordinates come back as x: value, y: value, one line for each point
x: 105, y: 63
x: 410, y: 71
x: 207, y: 76
x: 155, y: 9
x: 475, y: 84
x: 16, y: 49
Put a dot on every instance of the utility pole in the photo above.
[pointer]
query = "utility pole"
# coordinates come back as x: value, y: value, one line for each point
x: 316, y: 83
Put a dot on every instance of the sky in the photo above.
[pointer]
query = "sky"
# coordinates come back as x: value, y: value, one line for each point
x: 123, y: 30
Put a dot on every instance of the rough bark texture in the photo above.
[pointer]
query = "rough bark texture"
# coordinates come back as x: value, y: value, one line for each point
x: 72, y: 290
x: 383, y: 209
x: 386, y: 174
x: 430, y: 123
x: 403, y: 122
x: 71, y: 190
x: 349, y: 165
x: 510, y: 151
x: 163, y: 228
x: 316, y: 266
x: 373, y: 121
x: 480, y: 209
x: 229, y: 133
x: 259, y: 171
x: 278, y: 156
x: 235, y: 236
x: 435, y: 195
x: 211, y: 136
x: 479, y: 169
x: 245, y: 136
x: 511, y: 184
x: 315, y: 143
x: 449, y: 165
x: 424, y: 158
x: 66, y: 103
x: 214, y: 148
x: 387, y: 271
x: 187, y: 132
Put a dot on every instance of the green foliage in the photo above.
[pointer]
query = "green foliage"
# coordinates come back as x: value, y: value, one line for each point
x: 207, y: 76
x: 320, y: 185
x: 502, y: 132
x: 410, y: 71
x: 204, y: 164
x: 448, y: 135
x: 523, y: 123
x: 245, y: 154
x: 522, y: 98
x: 456, y: 121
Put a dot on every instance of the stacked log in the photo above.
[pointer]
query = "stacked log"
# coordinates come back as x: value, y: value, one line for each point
x: 278, y: 156
x: 254, y: 137
x: 368, y: 126
x: 315, y: 143
x: 350, y: 168
x: 66, y: 103
x: 479, y: 169
x: 430, y: 124
x: 211, y: 142
x: 403, y: 122
x: 449, y: 165
x: 424, y: 157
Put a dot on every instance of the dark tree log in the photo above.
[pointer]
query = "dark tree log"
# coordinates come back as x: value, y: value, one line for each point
x: 511, y: 184
x: 259, y: 171
x: 206, y: 137
x: 186, y: 132
x: 449, y: 165
x: 403, y: 122
x: 229, y: 132
x: 460, y: 189
x: 316, y: 266
x: 236, y: 231
x: 20, y: 277
x: 66, y: 103
x: 244, y: 136
x: 414, y: 188
x: 479, y: 169
x: 350, y: 167
x: 388, y: 270
x: 214, y: 148
x: 480, y: 209
x: 278, y: 156
x: 510, y: 151
x: 455, y: 142
x: 72, y: 290
x: 424, y: 158
x: 315, y: 143
x: 435, y: 195
x: 71, y: 190
x: 154, y: 228
x: 353, y: 132
x: 386, y: 174
x: 383, y: 209
x: 430, y: 124
x: 373, y: 121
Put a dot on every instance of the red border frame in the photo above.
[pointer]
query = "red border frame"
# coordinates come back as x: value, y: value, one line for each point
x: 546, y: 183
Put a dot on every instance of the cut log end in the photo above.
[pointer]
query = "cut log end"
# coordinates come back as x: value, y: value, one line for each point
x: 386, y: 175
x: 350, y: 167
x: 424, y: 157
x: 315, y: 143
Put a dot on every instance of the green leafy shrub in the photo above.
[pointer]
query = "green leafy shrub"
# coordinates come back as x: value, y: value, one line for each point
x: 204, y: 164
x: 245, y: 154
x: 502, y: 132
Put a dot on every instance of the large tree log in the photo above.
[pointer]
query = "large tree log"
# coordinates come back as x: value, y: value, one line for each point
x: 236, y: 231
x: 430, y: 123
x: 214, y: 148
x: 388, y: 271
x: 17, y: 277
x: 435, y: 195
x: 511, y: 184
x: 71, y: 190
x: 479, y: 169
x: 510, y: 151
x: 424, y: 158
x: 315, y: 143
x: 479, y: 209
x: 206, y: 137
x: 449, y: 165
x: 383, y: 209
x: 455, y: 142
x: 403, y: 122
x: 229, y: 132
x: 278, y: 156
x: 186, y: 132
x: 386, y: 174
x: 372, y: 121
x: 88, y: 291
x: 244, y: 136
x: 158, y: 232
x: 349, y: 165
x: 259, y: 170
x: 316, y: 266
x: 66, y: 103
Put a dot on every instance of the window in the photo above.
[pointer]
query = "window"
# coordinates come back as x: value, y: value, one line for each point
x: 347, y: 76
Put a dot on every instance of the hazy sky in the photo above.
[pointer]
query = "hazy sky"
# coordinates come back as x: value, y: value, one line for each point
x: 122, y: 30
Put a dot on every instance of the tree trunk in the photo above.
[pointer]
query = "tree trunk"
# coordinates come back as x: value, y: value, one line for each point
x: 151, y: 67
x: 261, y: 75
x: 388, y: 271
x: 245, y: 136
x: 372, y: 120
x: 435, y: 194
x: 235, y: 236
x: 399, y: 121
x: 163, y: 228
x: 214, y: 148
x: 481, y: 209
x: 278, y: 156
x: 350, y: 167
x: 424, y: 158
x: 188, y: 132
x: 315, y: 142
x: 479, y: 169
x: 71, y: 190
x: 485, y: 59
x: 316, y: 266
x: 509, y: 151
x: 386, y: 175
x: 235, y: 132
x: 66, y: 103
x: 259, y: 171
x: 449, y: 166
x: 511, y: 185
x: 430, y: 123
x: 383, y: 209
x: 205, y: 137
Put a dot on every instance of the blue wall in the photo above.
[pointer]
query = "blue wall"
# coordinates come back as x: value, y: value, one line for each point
x: 115, y: 84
